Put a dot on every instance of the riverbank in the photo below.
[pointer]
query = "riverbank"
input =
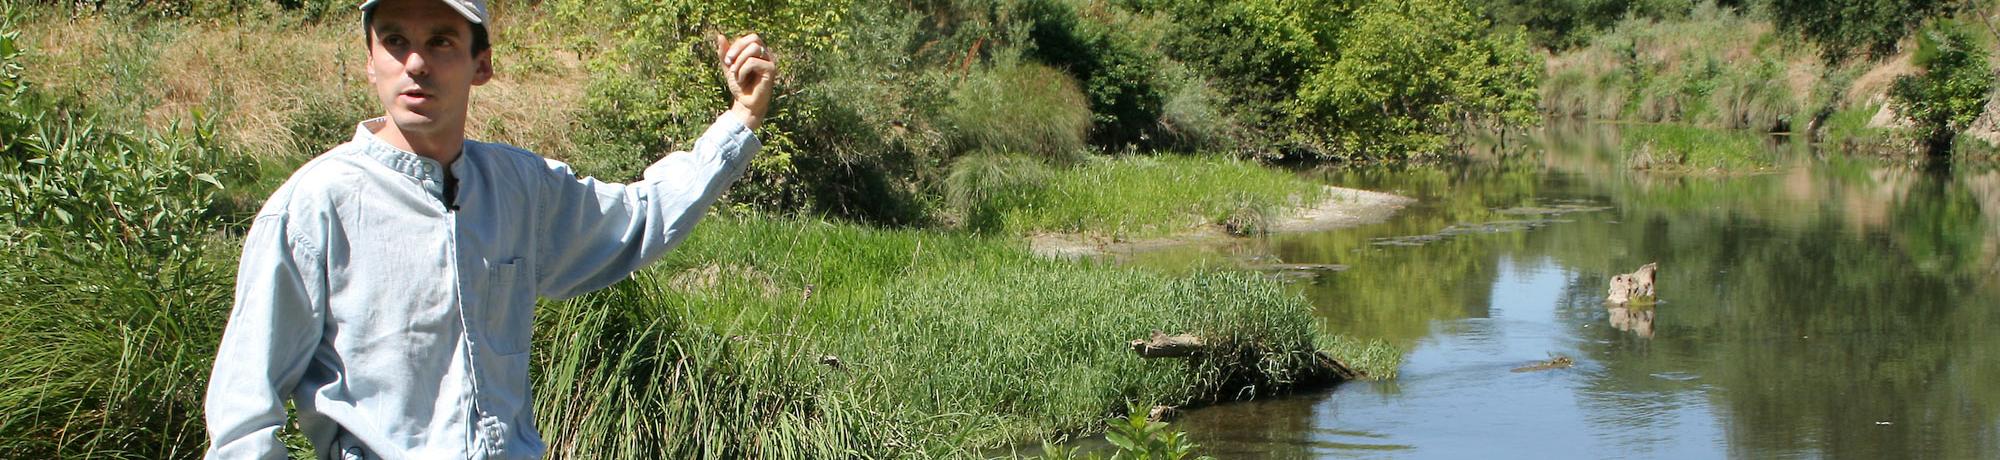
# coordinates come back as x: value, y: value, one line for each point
x: 768, y: 335
x: 1339, y: 208
x: 1731, y: 75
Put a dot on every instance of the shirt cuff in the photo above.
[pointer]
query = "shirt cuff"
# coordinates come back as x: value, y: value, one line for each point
x: 738, y: 142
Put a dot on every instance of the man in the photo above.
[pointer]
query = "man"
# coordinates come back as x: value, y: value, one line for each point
x: 388, y: 287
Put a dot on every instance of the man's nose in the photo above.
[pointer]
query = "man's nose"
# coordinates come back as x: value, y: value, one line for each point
x: 416, y: 64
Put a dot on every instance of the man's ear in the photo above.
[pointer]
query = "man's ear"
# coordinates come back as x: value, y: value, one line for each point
x: 368, y: 63
x: 484, y: 72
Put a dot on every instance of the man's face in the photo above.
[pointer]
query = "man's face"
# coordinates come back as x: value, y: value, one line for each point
x: 421, y: 63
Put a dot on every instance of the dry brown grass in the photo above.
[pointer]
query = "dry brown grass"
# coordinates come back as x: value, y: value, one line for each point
x: 1873, y: 87
x: 535, y: 110
x: 257, y: 80
x: 260, y: 82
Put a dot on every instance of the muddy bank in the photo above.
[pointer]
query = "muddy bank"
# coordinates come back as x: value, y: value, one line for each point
x: 1341, y: 208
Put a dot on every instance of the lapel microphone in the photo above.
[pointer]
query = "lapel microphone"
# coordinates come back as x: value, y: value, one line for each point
x: 451, y: 192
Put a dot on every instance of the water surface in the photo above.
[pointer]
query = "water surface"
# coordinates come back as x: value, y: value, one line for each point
x: 1829, y: 309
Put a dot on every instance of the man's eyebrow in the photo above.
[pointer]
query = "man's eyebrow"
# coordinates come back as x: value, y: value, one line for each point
x: 446, y: 30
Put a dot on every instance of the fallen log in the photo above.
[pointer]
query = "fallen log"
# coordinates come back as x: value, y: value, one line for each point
x: 1161, y: 345
x: 1339, y: 369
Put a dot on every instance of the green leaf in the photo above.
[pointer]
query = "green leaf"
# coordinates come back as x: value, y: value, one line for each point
x: 1120, y: 439
x: 209, y: 178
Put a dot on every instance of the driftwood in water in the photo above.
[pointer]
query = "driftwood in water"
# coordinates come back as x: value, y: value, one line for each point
x: 1633, y: 287
x: 1339, y: 369
x: 1558, y: 362
x: 1162, y: 345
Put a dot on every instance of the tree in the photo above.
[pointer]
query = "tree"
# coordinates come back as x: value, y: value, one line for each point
x: 1844, y: 28
x: 1951, y: 91
x: 1411, y: 73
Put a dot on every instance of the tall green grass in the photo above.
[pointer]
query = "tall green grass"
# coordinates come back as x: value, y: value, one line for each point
x: 1021, y: 107
x: 1716, y: 68
x: 112, y: 282
x: 1136, y: 196
x: 909, y: 343
x: 1678, y: 148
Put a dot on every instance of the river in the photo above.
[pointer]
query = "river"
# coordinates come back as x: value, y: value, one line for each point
x: 1828, y: 308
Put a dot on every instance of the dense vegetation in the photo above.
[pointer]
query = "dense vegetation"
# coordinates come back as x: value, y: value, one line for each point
x: 945, y: 129
x: 793, y: 336
x: 1952, y: 90
x: 1887, y: 77
x: 882, y: 97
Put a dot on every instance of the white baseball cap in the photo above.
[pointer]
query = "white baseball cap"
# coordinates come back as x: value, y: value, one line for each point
x: 474, y: 10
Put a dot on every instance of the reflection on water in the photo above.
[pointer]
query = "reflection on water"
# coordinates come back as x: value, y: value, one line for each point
x: 1837, y: 309
x: 1633, y: 319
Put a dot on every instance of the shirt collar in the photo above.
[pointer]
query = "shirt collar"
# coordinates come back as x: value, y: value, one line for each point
x: 402, y: 161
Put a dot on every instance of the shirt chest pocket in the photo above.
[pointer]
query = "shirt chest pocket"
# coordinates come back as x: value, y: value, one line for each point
x: 508, y: 307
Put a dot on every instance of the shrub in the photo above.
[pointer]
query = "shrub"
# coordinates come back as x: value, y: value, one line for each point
x: 1193, y: 118
x: 307, y: 10
x: 18, y: 115
x: 660, y: 87
x: 1118, y: 68
x: 1256, y: 53
x: 1951, y: 91
x: 110, y: 302
x: 1843, y: 28
x: 1563, y: 24
x: 851, y: 132
x: 1020, y: 108
x: 1410, y: 74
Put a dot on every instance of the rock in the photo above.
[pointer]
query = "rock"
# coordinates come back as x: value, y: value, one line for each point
x: 1986, y: 128
x: 1633, y: 287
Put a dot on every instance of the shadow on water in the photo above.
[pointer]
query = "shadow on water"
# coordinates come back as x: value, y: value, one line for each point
x: 1832, y: 308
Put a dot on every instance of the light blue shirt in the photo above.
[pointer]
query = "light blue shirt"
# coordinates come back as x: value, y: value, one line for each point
x: 398, y: 323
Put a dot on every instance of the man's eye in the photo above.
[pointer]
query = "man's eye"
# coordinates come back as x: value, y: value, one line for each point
x: 393, y: 40
x: 441, y: 43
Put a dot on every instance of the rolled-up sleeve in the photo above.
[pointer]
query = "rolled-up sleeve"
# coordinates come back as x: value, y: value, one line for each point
x: 273, y: 329
x: 598, y: 233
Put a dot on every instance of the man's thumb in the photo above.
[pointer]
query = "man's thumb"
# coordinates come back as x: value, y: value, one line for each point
x: 721, y: 47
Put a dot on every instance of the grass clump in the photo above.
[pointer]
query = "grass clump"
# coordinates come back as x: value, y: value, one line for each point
x: 1021, y: 108
x: 983, y: 187
x: 1848, y: 129
x: 1686, y: 149
x: 1373, y: 358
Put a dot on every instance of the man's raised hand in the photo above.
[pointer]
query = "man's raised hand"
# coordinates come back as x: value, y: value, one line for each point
x: 749, y: 68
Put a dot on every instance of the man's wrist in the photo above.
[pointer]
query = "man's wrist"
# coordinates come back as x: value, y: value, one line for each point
x: 745, y: 116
